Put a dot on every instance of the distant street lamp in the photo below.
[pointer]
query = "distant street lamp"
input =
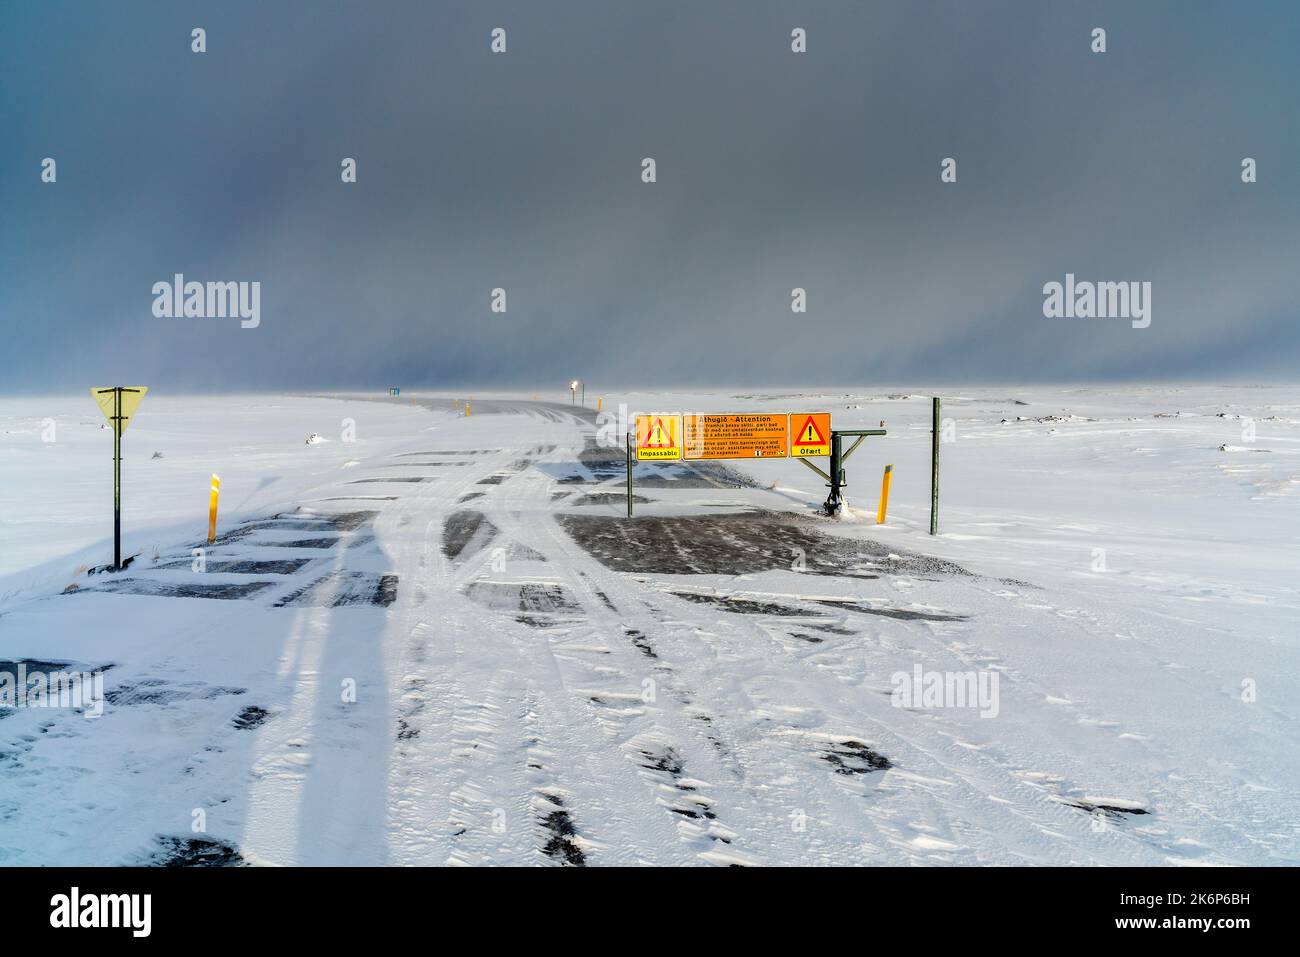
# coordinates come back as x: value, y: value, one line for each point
x: 573, y: 392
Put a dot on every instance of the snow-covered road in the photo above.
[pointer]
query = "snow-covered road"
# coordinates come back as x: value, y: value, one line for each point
x: 444, y: 643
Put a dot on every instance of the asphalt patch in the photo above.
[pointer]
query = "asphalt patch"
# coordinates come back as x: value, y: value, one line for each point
x: 336, y: 522
x: 253, y: 716
x: 528, y: 598
x: 342, y: 588
x: 174, y: 851
x: 738, y: 543
x: 1114, y: 812
x: 560, y: 832
x: 746, y: 606
x: 283, y: 566
x: 466, y: 533
x: 610, y: 498
x: 851, y: 756
x: 156, y: 589
x: 160, y: 691
x: 641, y: 642
x: 400, y: 455
x: 902, y: 614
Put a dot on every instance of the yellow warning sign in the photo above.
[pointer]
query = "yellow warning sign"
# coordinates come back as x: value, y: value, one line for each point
x: 658, y: 437
x: 810, y: 433
x: 746, y: 436
x: 119, y: 416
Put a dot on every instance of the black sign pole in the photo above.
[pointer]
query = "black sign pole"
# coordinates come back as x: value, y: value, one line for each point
x: 833, y: 501
x: 934, y: 466
x: 835, y: 478
x: 117, y: 478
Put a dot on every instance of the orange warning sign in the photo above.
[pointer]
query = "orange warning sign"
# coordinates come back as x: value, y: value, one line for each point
x: 658, y: 437
x: 750, y: 436
x: 810, y: 433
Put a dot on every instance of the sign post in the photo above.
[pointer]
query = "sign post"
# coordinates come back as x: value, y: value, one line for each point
x: 117, y: 480
x: 934, y: 467
x: 835, y: 501
x: 118, y: 403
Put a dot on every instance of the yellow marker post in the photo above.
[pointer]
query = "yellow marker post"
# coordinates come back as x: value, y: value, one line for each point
x: 600, y: 401
x: 212, y: 509
x: 467, y: 410
x: 884, y: 495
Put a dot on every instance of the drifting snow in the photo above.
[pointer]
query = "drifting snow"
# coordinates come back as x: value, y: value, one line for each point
x: 445, y: 642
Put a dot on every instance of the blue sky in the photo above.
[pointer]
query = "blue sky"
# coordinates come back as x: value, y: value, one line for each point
x: 522, y: 171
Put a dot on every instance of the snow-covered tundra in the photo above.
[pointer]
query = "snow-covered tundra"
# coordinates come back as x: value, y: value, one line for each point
x: 427, y: 638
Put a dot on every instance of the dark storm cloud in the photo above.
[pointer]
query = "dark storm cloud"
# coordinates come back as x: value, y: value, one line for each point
x: 522, y: 171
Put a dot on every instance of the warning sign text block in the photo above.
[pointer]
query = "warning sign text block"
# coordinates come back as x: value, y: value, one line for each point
x: 740, y: 436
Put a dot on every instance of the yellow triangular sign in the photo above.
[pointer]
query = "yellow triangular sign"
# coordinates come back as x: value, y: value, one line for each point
x: 106, y: 398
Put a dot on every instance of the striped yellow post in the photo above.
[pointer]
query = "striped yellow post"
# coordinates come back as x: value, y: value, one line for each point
x: 212, y: 509
x: 884, y: 495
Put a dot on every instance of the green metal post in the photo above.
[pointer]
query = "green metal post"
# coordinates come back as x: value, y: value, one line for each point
x: 833, y: 501
x: 117, y: 478
x: 934, y: 466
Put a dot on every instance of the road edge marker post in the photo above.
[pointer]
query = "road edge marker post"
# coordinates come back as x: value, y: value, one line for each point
x: 934, y: 467
x: 884, y: 494
x: 215, y: 489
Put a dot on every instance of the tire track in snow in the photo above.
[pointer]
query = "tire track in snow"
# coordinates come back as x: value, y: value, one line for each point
x: 614, y: 686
